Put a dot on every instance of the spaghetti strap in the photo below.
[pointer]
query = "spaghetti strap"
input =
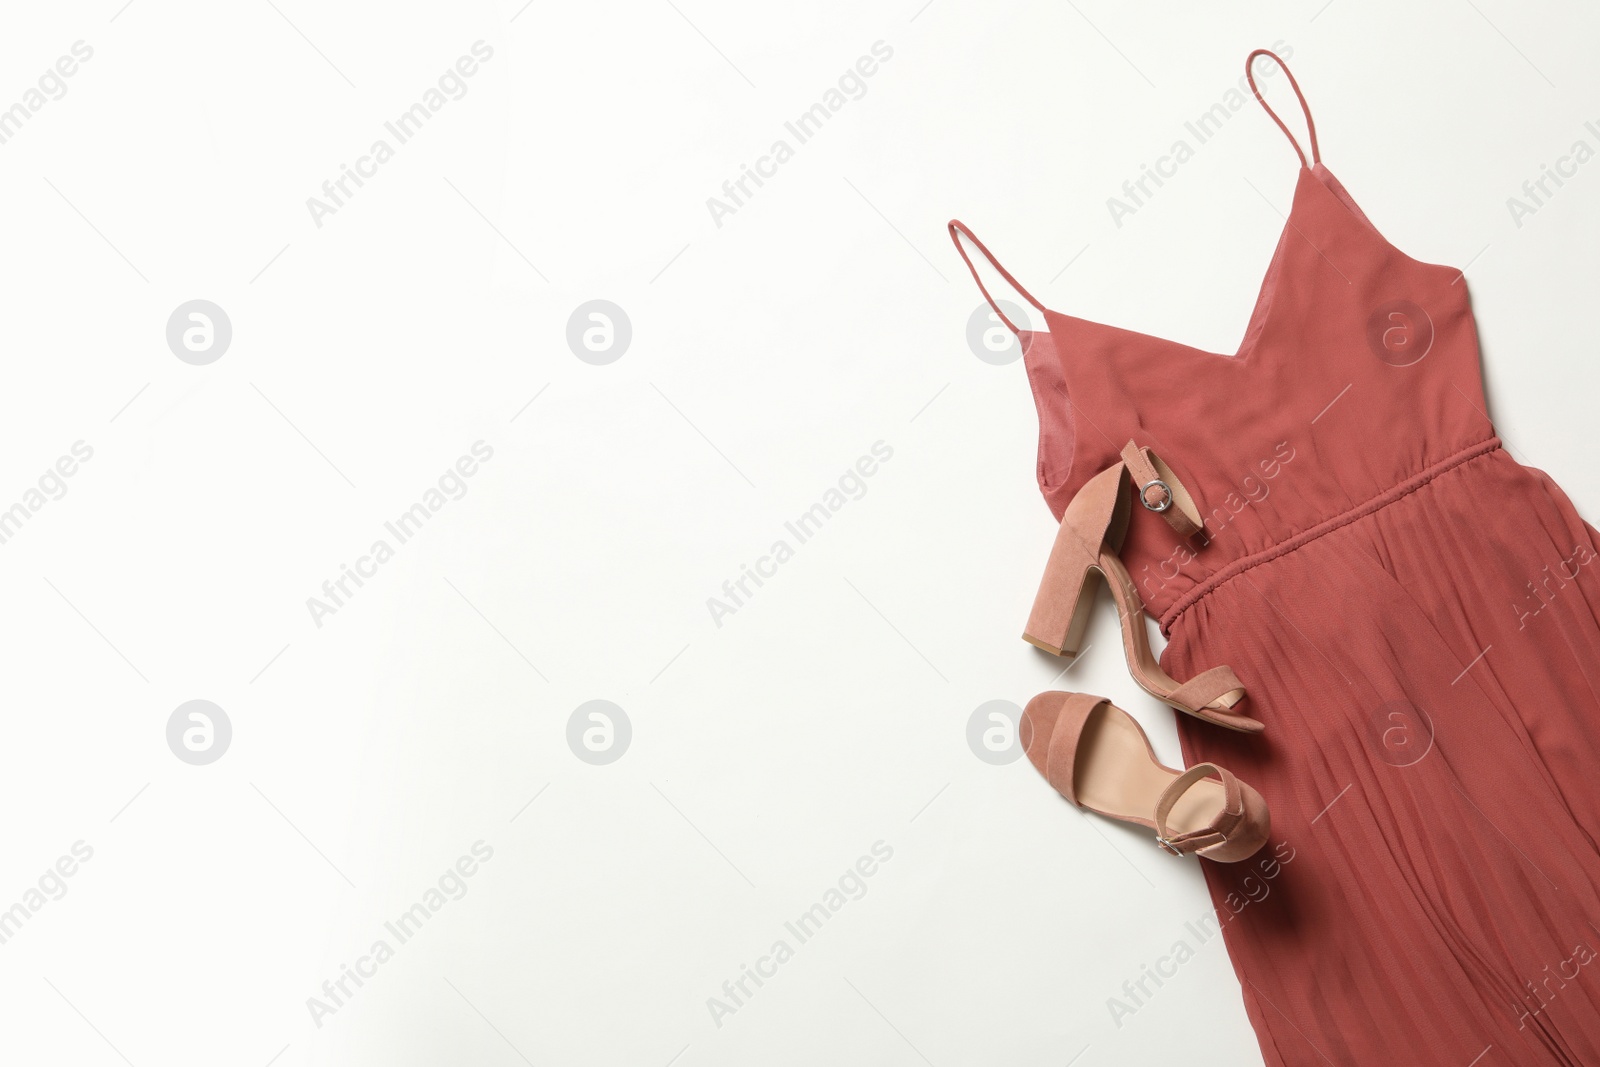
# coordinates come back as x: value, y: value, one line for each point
x: 1249, y: 72
x: 957, y: 228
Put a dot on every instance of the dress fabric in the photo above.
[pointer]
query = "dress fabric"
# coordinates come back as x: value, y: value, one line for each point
x: 1416, y: 617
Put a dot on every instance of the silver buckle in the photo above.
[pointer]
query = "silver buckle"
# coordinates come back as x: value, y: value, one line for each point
x: 1169, y: 846
x: 1166, y: 497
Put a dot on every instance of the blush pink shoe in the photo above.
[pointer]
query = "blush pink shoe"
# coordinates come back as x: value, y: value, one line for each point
x: 1097, y: 756
x: 1086, y: 548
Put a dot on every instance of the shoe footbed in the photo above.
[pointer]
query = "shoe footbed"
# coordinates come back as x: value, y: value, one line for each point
x: 1115, y: 775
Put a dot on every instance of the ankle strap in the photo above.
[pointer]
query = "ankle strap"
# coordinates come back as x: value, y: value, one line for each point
x: 1224, y: 824
x: 1158, y: 489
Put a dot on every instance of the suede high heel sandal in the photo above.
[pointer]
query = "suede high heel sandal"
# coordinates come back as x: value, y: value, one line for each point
x: 1097, y: 756
x: 1086, y: 547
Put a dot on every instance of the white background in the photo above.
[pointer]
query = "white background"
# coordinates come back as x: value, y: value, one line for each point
x: 768, y: 354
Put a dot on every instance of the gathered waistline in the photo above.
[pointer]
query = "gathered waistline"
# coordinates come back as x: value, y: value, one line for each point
x: 1382, y: 500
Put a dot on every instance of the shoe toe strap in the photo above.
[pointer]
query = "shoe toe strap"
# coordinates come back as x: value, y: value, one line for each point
x: 1217, y: 831
x: 1061, y: 756
x: 1217, y: 687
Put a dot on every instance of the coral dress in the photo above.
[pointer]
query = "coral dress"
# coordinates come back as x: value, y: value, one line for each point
x: 1416, y: 617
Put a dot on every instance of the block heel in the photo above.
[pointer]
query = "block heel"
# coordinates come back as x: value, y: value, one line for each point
x: 1086, y: 549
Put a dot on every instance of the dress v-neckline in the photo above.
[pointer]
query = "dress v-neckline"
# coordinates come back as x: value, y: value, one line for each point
x: 1260, y: 314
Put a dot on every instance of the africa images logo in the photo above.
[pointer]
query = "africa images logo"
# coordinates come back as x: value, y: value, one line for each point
x: 1400, y: 333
